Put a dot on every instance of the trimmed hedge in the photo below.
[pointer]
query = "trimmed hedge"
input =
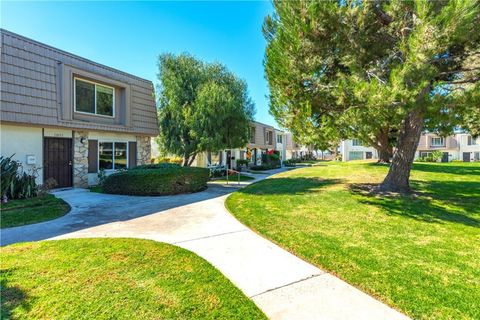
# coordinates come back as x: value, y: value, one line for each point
x: 262, y: 167
x: 163, y: 165
x: 151, y: 181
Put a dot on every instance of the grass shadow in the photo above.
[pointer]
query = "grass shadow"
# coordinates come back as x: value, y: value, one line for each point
x: 11, y: 297
x: 288, y: 186
x: 433, y: 202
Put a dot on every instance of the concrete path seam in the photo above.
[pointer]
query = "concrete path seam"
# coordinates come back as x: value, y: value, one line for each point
x: 211, y: 236
x: 288, y: 284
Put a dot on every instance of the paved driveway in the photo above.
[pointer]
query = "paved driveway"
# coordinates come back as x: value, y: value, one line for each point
x: 282, y: 285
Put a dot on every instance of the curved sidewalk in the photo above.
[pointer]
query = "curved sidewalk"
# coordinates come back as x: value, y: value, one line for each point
x: 282, y: 285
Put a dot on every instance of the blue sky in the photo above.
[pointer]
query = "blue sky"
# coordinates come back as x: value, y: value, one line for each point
x: 130, y: 35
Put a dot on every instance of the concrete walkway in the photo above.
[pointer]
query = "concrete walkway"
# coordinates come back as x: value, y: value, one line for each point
x: 282, y: 285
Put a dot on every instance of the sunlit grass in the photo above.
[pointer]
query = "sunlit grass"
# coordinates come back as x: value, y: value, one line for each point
x: 115, y: 279
x: 418, y: 253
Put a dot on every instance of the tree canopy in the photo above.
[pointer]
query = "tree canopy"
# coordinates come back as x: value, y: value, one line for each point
x: 202, y: 107
x: 380, y: 71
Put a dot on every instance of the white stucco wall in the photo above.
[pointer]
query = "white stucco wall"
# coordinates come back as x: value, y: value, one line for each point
x: 23, y: 141
x: 347, y: 146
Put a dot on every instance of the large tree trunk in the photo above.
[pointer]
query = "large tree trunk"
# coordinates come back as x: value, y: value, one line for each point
x: 384, y: 154
x: 398, y: 177
x: 384, y: 149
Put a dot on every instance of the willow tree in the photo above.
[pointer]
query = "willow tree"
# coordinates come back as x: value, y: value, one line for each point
x: 202, y: 107
x: 380, y: 71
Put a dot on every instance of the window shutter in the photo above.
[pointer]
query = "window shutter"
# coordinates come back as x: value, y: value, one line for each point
x: 469, y: 140
x: 132, y: 154
x: 92, y: 156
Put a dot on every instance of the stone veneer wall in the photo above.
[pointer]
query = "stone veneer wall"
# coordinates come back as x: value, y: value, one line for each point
x: 80, y: 159
x: 144, y: 150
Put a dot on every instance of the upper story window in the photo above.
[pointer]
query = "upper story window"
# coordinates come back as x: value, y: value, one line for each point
x: 269, y: 137
x: 94, y: 98
x: 356, y: 143
x: 438, y: 142
x: 473, y: 142
x: 252, y: 134
x: 279, y: 138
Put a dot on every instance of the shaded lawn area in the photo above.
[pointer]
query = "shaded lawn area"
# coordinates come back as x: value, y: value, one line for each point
x: 115, y: 279
x: 20, y: 212
x: 418, y: 253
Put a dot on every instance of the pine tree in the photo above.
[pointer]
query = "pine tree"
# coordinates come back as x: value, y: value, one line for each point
x: 380, y: 71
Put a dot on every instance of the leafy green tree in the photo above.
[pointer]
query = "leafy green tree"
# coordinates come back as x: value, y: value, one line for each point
x: 380, y: 71
x: 203, y: 107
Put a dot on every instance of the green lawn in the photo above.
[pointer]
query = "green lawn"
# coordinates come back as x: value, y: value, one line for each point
x: 115, y: 279
x: 419, y: 253
x: 27, y: 211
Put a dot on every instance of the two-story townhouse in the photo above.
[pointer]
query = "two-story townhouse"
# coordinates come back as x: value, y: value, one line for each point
x: 70, y: 117
x: 460, y: 146
x: 469, y: 147
x: 280, y: 145
x: 353, y: 149
x: 262, y: 139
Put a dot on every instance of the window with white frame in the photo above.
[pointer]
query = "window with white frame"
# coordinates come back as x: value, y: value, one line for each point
x: 279, y: 138
x: 112, y: 155
x: 356, y: 143
x: 94, y: 98
x: 437, y: 142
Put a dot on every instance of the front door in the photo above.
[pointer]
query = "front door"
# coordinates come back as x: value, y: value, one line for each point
x: 229, y: 159
x: 445, y: 157
x: 57, y: 161
x: 466, y: 157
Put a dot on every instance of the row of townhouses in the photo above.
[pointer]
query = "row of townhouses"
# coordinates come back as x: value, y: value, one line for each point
x: 67, y: 117
x: 459, y: 146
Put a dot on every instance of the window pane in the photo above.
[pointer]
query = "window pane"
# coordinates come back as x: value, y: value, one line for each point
x: 84, y: 96
x: 104, y: 100
x: 120, y: 155
x: 105, y: 155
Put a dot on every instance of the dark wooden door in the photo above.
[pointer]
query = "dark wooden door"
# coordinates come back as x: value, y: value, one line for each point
x: 445, y: 157
x: 57, y: 161
x: 466, y: 157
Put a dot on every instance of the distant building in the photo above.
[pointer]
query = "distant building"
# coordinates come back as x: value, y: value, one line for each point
x: 354, y: 150
x: 460, y: 146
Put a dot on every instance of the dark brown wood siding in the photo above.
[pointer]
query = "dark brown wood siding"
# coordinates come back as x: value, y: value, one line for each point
x: 132, y: 154
x: 92, y: 156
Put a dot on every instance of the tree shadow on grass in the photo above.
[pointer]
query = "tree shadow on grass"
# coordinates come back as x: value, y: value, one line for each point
x: 288, y: 186
x: 11, y: 297
x: 448, y: 168
x: 433, y: 201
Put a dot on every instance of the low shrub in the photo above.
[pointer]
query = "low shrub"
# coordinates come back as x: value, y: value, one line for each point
x: 242, y: 162
x: 263, y: 167
x: 150, y: 181
x: 290, y: 163
x: 15, y: 183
